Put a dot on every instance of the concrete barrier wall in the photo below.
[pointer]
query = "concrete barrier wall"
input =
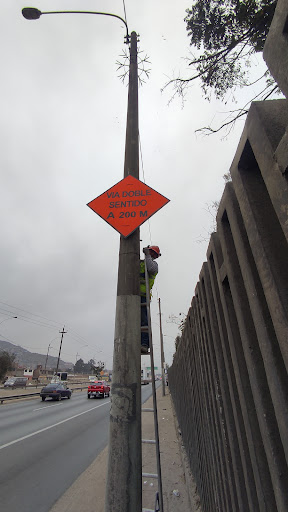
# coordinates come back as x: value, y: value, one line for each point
x: 229, y: 380
x: 276, y: 46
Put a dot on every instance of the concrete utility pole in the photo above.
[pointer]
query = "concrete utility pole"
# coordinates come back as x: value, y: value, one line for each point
x: 162, y: 350
x: 124, y: 476
x: 47, y: 357
x: 61, y: 332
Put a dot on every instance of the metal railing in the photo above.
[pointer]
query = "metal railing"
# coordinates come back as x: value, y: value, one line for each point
x: 229, y: 376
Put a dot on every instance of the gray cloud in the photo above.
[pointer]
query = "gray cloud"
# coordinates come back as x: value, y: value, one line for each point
x: 62, y: 136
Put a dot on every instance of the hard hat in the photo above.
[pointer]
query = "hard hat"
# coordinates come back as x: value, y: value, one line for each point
x: 156, y: 249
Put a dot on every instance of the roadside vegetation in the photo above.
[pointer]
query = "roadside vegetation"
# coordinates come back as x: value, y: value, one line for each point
x: 6, y: 363
x: 225, y: 35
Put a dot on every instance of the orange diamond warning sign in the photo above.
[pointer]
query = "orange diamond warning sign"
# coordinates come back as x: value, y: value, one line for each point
x: 128, y: 204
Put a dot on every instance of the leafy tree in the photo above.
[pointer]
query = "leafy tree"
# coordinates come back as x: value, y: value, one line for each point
x: 97, y: 368
x: 88, y: 368
x: 174, y: 319
x: 227, y: 33
x: 79, y: 366
x: 6, y: 363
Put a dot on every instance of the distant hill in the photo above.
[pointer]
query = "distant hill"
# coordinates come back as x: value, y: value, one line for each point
x: 32, y: 359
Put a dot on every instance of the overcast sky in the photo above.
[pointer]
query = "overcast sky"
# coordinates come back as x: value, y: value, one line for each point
x: 63, y: 116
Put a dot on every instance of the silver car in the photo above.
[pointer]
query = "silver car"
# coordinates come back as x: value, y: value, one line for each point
x: 16, y: 382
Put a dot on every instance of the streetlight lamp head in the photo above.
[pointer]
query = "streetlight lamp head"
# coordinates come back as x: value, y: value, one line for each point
x: 31, y: 13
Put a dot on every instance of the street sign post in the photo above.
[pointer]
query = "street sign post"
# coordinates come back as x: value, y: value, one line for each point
x: 128, y: 204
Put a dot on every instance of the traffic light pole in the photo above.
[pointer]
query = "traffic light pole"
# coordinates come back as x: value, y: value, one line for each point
x: 124, y: 475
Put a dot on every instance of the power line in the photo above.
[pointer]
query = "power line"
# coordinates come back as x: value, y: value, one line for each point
x: 149, y: 225
x: 29, y: 313
x: 141, y: 156
x: 31, y: 320
x: 142, y: 166
x: 125, y: 12
x: 51, y: 325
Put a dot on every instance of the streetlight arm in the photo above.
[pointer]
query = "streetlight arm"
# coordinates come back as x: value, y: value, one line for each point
x: 31, y: 13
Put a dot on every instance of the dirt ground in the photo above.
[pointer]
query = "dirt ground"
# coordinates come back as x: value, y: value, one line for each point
x: 87, y: 494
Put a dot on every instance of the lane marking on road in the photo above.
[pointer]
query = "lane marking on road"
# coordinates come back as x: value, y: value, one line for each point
x: 51, y: 426
x: 47, y: 407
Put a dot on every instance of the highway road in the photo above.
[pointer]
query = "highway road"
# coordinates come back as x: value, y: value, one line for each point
x: 45, y: 446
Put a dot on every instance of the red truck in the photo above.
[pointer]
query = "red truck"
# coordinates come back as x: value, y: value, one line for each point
x: 98, y: 389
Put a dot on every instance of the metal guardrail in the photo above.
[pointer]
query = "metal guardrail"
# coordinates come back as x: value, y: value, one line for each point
x: 14, y: 397
x: 42, y: 384
x: 29, y: 395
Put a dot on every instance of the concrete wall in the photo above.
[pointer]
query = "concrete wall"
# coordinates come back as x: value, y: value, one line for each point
x: 229, y: 377
x: 276, y: 46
